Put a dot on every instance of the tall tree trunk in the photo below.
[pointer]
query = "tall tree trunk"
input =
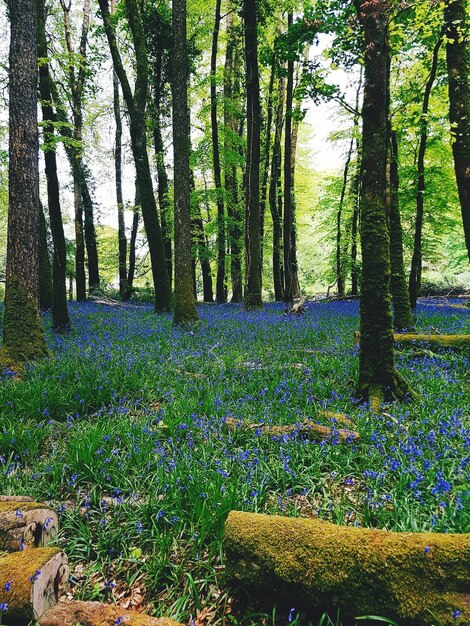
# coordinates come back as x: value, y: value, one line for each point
x: 135, y: 226
x: 80, y: 279
x: 202, y: 252
x: 267, y: 151
x: 414, y: 284
x: 378, y: 378
x: 23, y: 335
x: 221, y: 286
x: 458, y: 63
x: 355, y: 194
x: 45, y: 271
x: 60, y: 314
x: 253, y: 284
x: 122, y: 240
x: 185, y: 307
x: 402, y: 314
x: 231, y: 97
x: 136, y: 105
x: 77, y: 82
x: 275, y: 195
x: 162, y: 176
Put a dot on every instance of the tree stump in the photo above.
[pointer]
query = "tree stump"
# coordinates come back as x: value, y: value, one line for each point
x: 31, y: 582
x: 318, y: 565
x: 25, y: 524
x: 97, y: 614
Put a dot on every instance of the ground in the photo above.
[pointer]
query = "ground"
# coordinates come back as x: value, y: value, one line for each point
x: 122, y: 429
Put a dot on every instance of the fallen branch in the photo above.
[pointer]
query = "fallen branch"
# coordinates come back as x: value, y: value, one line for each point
x: 25, y: 524
x: 316, y: 564
x: 307, y: 429
x: 31, y: 582
x: 447, y: 341
x: 97, y: 614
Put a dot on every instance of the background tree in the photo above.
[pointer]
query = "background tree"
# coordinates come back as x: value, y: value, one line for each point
x: 23, y: 335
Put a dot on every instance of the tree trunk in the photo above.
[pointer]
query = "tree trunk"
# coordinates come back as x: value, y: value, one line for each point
x: 162, y: 177
x: 458, y: 63
x: 267, y: 152
x: 60, y: 314
x: 200, y: 244
x: 402, y: 314
x: 23, y: 335
x: 231, y: 97
x: 136, y: 105
x: 185, y: 307
x: 45, y: 271
x: 378, y: 378
x: 221, y: 286
x: 275, y: 195
x: 355, y: 193
x: 414, y: 284
x: 135, y: 226
x: 253, y: 284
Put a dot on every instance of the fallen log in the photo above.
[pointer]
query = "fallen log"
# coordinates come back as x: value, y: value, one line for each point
x: 97, y: 614
x: 307, y: 429
x: 316, y: 564
x: 446, y: 341
x: 31, y: 582
x: 25, y: 524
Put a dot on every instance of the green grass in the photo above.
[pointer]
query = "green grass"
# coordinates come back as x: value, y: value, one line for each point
x: 122, y: 430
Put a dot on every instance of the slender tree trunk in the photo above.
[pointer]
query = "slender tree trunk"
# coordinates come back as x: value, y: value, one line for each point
x: 414, y: 284
x: 122, y: 240
x: 23, y: 335
x: 275, y: 195
x: 253, y: 288
x: 221, y: 286
x: 267, y: 151
x: 60, y: 314
x: 45, y: 271
x: 136, y: 105
x: 185, y: 307
x: 80, y: 279
x: 162, y: 176
x: 202, y: 252
x: 458, y: 63
x: 135, y: 226
x: 355, y: 194
x: 231, y: 97
x: 378, y: 378
x: 402, y: 314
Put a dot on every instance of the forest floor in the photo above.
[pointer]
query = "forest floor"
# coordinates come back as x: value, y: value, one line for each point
x: 122, y: 430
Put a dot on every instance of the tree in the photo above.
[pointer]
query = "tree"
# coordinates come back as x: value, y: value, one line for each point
x: 60, y: 314
x: 23, y: 335
x: 253, y: 285
x: 136, y: 106
x: 378, y: 377
x: 459, y: 102
x: 185, y: 306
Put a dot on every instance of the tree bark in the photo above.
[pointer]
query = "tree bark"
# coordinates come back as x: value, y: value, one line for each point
x: 378, y: 378
x: 45, y: 271
x: 402, y: 314
x: 185, y: 307
x: 136, y: 105
x: 414, y: 283
x: 267, y: 151
x: 60, y: 314
x: 135, y: 226
x: 253, y: 284
x: 221, y: 283
x: 458, y: 62
x: 355, y: 193
x: 23, y: 335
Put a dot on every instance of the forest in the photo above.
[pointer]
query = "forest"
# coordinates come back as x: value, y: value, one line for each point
x: 235, y: 312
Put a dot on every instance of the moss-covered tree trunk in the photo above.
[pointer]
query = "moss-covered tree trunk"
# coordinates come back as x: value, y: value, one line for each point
x: 458, y: 63
x: 275, y: 194
x: 402, y: 314
x: 414, y: 282
x: 45, y: 271
x: 136, y: 107
x: 185, y: 306
x: 231, y: 102
x: 378, y: 378
x: 60, y: 313
x: 253, y: 283
x: 23, y: 335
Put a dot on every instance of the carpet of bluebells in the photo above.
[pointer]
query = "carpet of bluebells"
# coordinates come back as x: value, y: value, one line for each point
x: 122, y: 430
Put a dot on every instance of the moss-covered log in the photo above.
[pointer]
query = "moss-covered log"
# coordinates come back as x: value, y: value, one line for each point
x: 26, y: 525
x: 31, y: 582
x: 307, y: 429
x: 446, y: 341
x: 317, y: 565
x: 97, y: 614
